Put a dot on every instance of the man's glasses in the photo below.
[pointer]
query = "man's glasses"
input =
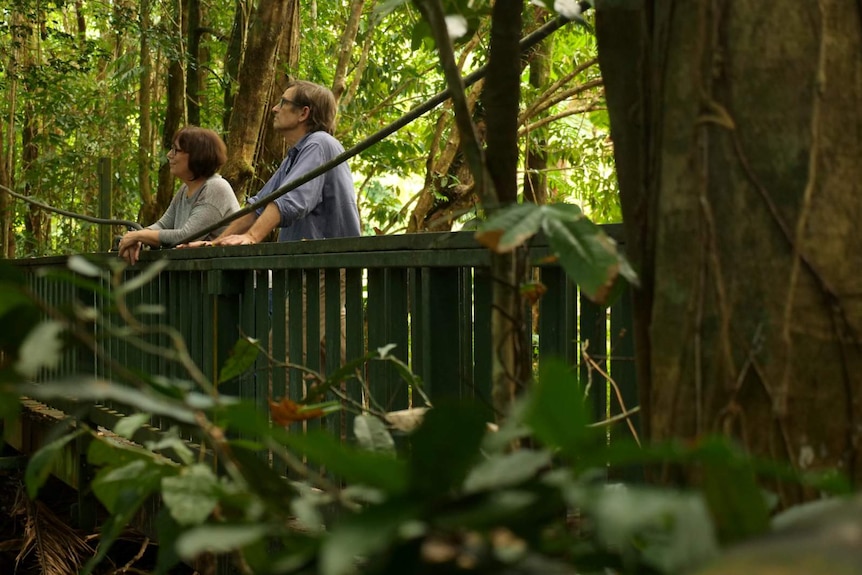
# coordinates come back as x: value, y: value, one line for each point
x: 291, y: 102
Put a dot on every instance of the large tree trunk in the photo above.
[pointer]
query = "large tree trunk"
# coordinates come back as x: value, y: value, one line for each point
x: 251, y: 106
x: 737, y: 146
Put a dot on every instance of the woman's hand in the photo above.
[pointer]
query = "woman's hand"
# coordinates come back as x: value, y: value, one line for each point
x: 130, y: 248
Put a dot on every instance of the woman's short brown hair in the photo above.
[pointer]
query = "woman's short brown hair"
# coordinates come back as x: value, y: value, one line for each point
x: 207, y: 151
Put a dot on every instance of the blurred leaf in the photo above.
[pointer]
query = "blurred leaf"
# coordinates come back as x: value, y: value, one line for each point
x: 139, y: 477
x: 191, y: 494
x: 242, y: 357
x: 128, y: 425
x: 506, y: 470
x: 86, y: 388
x: 42, y: 348
x: 83, y: 266
x: 668, y: 531
x: 352, y: 465
x: 146, y: 276
x: 739, y: 512
x: 556, y: 411
x: 445, y: 447
x: 41, y: 463
x: 371, y: 433
x: 218, y: 538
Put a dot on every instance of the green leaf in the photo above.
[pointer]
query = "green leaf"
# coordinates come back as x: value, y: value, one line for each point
x: 555, y: 410
x: 506, y: 470
x: 139, y: 477
x: 731, y: 491
x: 371, y: 433
x: 445, y: 447
x: 128, y: 425
x: 510, y: 227
x: 104, y: 451
x: 587, y: 254
x: 353, y: 465
x: 242, y: 357
x: 41, y: 463
x: 191, y: 494
x: 219, y: 538
x: 42, y: 348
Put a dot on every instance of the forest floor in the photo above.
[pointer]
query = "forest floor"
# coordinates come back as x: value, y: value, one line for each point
x: 38, y: 537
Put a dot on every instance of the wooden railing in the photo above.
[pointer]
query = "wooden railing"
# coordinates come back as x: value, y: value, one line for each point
x: 429, y: 294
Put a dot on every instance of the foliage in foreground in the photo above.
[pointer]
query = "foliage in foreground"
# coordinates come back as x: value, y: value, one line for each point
x: 451, y: 496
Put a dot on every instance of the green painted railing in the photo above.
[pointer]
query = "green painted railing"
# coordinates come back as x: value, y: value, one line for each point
x: 429, y: 294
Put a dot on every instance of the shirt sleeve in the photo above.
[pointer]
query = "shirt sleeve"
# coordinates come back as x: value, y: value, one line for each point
x: 300, y: 202
x: 209, y: 208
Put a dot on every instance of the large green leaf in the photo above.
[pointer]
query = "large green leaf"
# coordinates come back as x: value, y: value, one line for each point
x: 353, y: 465
x: 556, y: 412
x: 445, y: 447
x: 510, y: 227
x: 40, y: 464
x: 587, y: 254
x: 191, y: 494
x: 242, y: 357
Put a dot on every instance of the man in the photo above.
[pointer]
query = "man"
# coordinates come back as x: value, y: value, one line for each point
x: 325, y: 207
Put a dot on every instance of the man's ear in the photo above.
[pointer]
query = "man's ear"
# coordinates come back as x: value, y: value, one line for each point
x: 306, y: 112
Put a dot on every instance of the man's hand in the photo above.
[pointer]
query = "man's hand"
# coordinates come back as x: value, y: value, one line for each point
x: 196, y: 244
x: 234, y: 240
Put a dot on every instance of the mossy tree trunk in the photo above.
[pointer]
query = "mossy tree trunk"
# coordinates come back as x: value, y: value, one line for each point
x: 737, y: 135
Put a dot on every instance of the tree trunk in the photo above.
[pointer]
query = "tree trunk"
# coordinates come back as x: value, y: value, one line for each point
x: 251, y: 106
x: 145, y: 142
x: 535, y: 146
x: 737, y: 151
x: 501, y: 95
x: 175, y: 115
x: 193, y: 63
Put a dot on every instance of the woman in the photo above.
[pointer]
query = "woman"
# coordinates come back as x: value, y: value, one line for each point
x: 204, y: 198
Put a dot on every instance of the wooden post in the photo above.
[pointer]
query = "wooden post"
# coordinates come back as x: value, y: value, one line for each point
x: 105, y: 196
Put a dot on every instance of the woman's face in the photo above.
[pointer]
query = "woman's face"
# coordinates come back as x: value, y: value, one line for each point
x: 179, y: 162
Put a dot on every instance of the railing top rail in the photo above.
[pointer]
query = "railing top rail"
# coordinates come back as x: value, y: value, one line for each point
x: 404, y: 250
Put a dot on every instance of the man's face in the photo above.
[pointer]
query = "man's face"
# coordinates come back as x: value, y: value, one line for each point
x: 289, y: 117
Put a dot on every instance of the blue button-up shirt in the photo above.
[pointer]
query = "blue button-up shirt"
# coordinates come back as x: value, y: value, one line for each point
x: 325, y: 207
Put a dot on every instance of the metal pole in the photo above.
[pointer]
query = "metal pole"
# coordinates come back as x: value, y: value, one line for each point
x: 106, y: 193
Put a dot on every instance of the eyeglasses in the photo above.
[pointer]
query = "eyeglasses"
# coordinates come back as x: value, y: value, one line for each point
x: 291, y: 102
x: 175, y: 150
